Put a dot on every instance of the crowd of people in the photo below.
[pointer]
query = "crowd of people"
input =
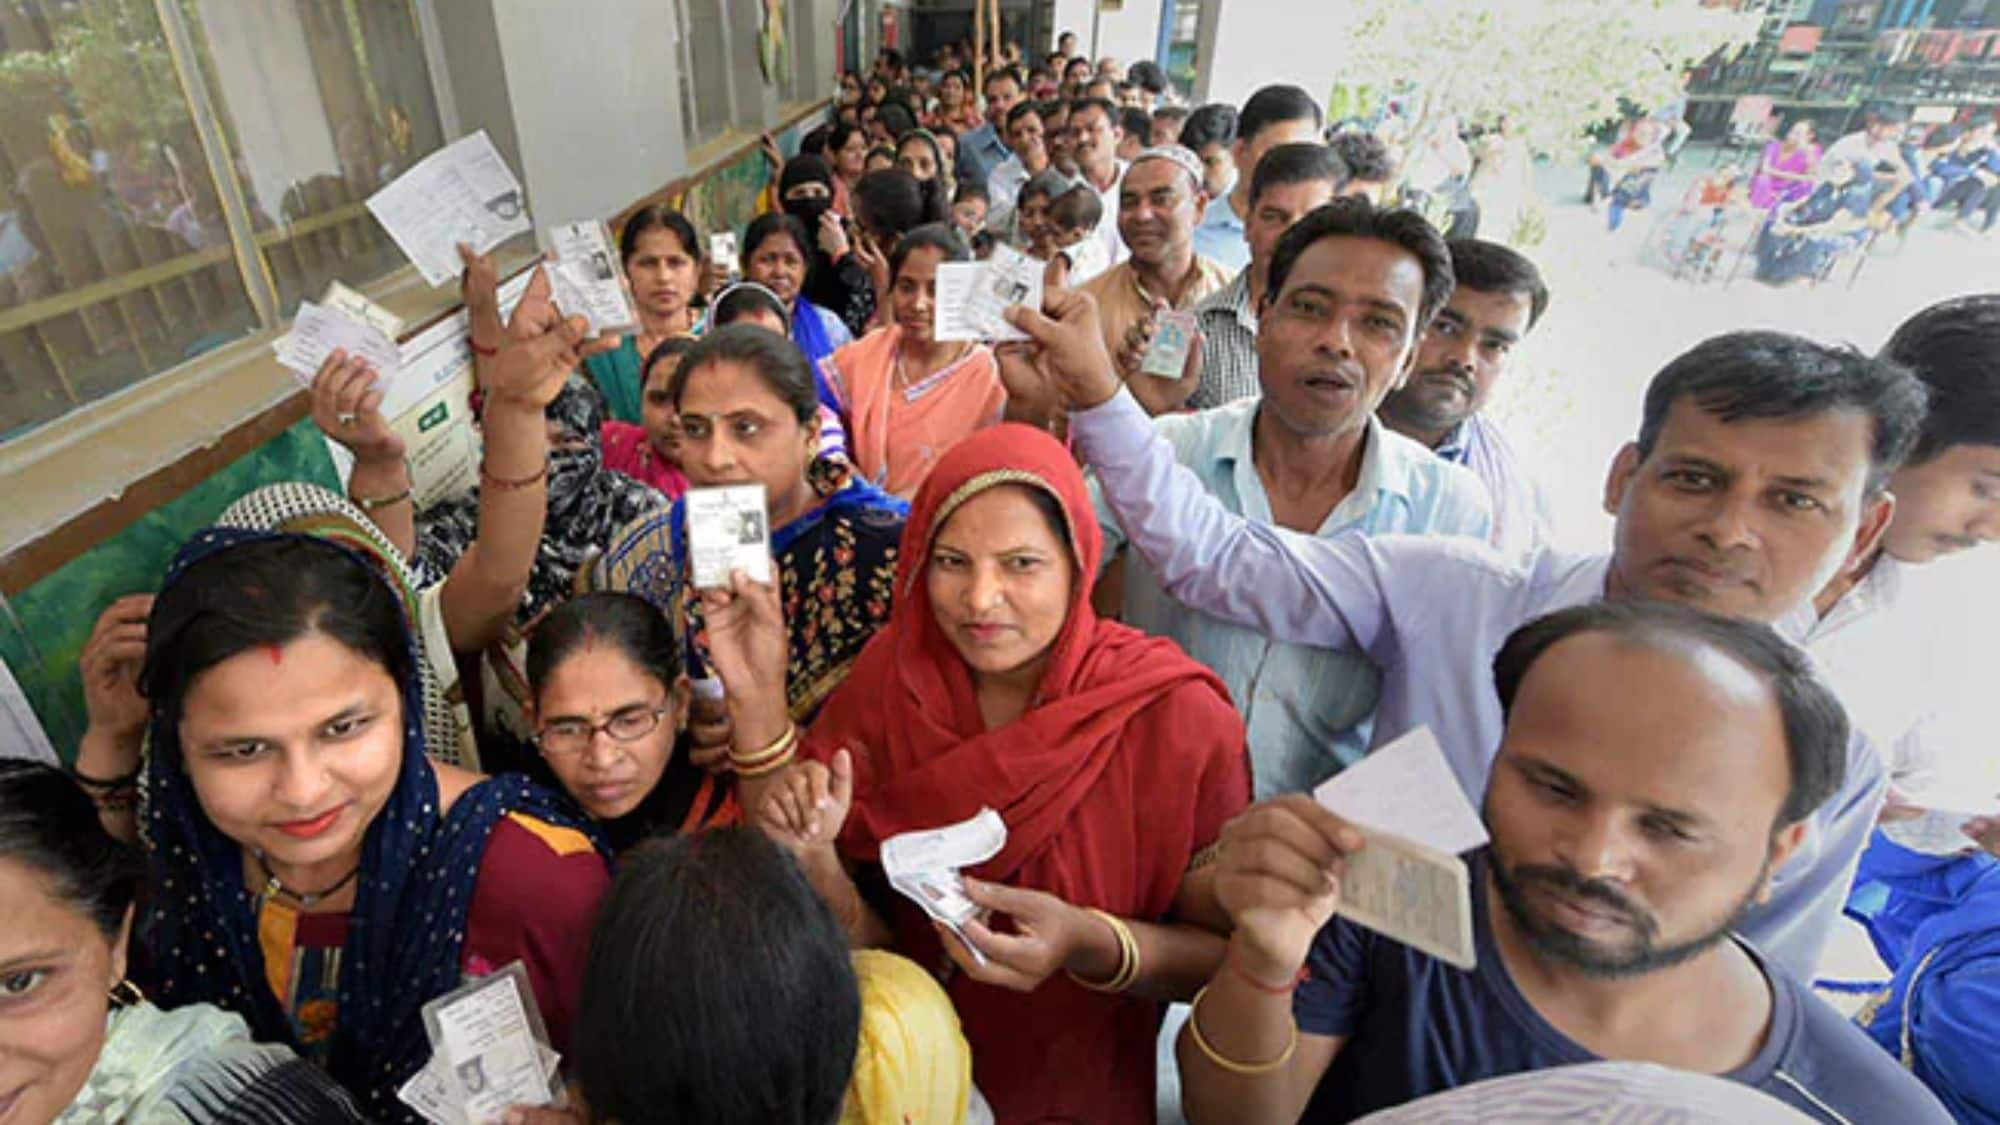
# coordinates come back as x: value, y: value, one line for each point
x: 1800, y: 208
x: 351, y: 754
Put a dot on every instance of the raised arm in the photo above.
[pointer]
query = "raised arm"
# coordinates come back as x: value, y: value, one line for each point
x: 522, y: 376
x: 1293, y: 587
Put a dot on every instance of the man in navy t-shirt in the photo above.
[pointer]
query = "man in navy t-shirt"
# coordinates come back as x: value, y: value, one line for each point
x: 1658, y: 764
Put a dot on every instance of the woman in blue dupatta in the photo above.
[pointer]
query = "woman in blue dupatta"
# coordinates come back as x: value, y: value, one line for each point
x: 747, y: 404
x: 1935, y: 921
x: 310, y: 869
x: 776, y: 255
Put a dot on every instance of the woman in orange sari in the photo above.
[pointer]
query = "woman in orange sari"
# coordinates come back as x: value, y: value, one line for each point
x: 1112, y: 757
x: 908, y: 397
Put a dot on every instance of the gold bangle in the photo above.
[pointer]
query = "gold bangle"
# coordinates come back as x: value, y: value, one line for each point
x: 1128, y: 957
x: 1229, y: 1064
x: 785, y: 743
x: 770, y: 767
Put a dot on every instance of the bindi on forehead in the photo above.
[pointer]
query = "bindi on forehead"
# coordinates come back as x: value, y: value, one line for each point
x: 276, y: 653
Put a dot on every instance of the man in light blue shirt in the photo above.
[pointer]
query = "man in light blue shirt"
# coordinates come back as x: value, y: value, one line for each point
x: 1274, y: 115
x: 1306, y: 708
x: 1759, y: 472
x: 981, y: 150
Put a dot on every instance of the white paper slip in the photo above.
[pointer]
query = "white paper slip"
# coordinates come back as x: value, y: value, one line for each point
x: 966, y: 844
x: 1411, y: 894
x: 1166, y: 357
x: 595, y: 286
x: 1936, y: 832
x: 722, y: 251
x: 355, y: 306
x: 491, y: 1043
x: 430, y: 1094
x: 1407, y: 788
x: 972, y: 296
x: 463, y: 192
x: 727, y: 529
x: 318, y: 331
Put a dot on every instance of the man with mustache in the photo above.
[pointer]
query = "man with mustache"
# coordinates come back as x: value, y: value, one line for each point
x: 1659, y: 763
x: 1465, y: 351
x: 1891, y: 634
x: 1308, y: 454
x: 1159, y: 204
x: 1758, y: 473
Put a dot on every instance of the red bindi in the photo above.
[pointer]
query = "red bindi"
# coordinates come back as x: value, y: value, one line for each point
x: 276, y: 654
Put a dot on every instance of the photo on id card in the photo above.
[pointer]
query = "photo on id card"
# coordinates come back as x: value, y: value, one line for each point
x: 488, y: 1040
x: 727, y: 529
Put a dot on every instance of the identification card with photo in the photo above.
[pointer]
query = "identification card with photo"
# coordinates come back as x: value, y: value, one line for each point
x: 589, y: 280
x: 1166, y: 357
x: 973, y: 296
x: 728, y: 529
x: 1412, y: 894
x: 490, y: 1041
x: 722, y: 250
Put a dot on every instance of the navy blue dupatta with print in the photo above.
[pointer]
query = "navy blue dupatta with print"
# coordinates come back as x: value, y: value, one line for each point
x: 406, y: 932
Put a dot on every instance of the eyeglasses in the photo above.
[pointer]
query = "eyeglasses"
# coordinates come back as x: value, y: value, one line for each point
x: 573, y: 736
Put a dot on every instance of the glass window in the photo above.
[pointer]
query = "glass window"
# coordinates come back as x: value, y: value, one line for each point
x: 114, y: 259
x: 323, y: 102
x: 707, y: 59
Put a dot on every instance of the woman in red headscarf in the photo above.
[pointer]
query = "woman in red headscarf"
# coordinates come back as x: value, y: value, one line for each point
x: 1112, y: 757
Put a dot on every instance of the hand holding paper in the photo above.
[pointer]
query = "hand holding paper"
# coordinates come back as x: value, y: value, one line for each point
x: 924, y: 866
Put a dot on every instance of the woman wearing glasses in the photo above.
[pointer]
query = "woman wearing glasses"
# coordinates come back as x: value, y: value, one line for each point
x: 610, y: 706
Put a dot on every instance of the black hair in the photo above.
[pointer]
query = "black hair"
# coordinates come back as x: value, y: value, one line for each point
x: 889, y: 202
x: 1273, y: 105
x: 630, y: 623
x: 1147, y: 75
x: 1136, y: 122
x: 1021, y: 109
x: 1488, y: 267
x: 1109, y: 108
x: 779, y: 365
x: 50, y: 825
x: 1816, y: 728
x: 718, y: 988
x: 1079, y: 207
x: 1299, y: 162
x: 942, y: 237
x: 1366, y: 155
x: 993, y: 76
x: 814, y: 141
x: 771, y: 223
x: 668, y: 348
x: 740, y: 301
x: 266, y: 592
x: 1954, y: 347
x: 1740, y: 375
x: 837, y: 136
x: 658, y: 216
x: 1170, y: 113
x: 1212, y: 124
x: 1355, y: 217
x: 969, y: 190
x: 1047, y: 183
x: 897, y: 118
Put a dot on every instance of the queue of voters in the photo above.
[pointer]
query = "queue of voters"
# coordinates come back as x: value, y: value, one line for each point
x: 925, y: 666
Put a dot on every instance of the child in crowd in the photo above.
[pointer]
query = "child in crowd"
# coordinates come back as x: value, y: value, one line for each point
x: 968, y: 209
x: 1073, y: 217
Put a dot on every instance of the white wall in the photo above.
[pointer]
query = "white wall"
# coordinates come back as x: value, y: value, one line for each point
x: 593, y: 86
x: 1258, y: 42
x: 1071, y: 15
x: 1128, y: 34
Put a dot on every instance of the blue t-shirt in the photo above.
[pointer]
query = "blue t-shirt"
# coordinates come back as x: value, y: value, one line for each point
x: 1416, y: 1025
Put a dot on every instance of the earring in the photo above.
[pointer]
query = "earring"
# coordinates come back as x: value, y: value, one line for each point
x: 124, y: 994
